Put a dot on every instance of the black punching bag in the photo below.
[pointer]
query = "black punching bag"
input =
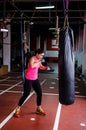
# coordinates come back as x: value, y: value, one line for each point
x: 66, y: 67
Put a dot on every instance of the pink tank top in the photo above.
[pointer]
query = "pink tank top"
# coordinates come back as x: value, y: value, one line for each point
x: 32, y: 73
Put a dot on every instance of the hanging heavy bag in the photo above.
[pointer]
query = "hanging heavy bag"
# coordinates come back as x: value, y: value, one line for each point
x: 66, y: 66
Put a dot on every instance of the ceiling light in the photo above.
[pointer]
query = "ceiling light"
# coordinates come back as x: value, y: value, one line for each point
x: 53, y: 32
x: 4, y: 30
x: 31, y: 23
x: 55, y: 35
x: 45, y: 7
x: 52, y: 28
x: 58, y: 29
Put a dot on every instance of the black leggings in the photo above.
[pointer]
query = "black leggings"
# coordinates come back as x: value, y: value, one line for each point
x: 27, y: 88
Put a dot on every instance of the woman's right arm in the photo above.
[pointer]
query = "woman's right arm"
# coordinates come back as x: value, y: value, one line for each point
x: 33, y: 63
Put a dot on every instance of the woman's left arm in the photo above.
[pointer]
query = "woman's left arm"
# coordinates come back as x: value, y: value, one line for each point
x: 42, y: 67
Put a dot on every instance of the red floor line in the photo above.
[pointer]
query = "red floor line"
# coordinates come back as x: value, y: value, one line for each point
x: 4, y: 84
x: 13, y: 91
x: 7, y: 119
x: 12, y: 113
x: 10, y: 88
x: 4, y: 79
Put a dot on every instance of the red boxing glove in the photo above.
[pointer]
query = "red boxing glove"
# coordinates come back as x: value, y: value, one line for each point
x: 43, y: 67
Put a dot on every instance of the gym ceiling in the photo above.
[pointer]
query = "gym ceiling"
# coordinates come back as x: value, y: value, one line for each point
x: 43, y: 19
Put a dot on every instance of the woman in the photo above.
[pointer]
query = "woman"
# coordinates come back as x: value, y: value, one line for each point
x: 31, y: 80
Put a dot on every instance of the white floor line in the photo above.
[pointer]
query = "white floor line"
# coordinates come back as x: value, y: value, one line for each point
x: 18, y: 77
x: 11, y: 79
x: 4, y: 79
x: 13, y: 91
x: 50, y: 94
x: 56, y: 123
x: 77, y: 92
x: 10, y: 88
x: 80, y: 96
x: 6, y: 119
x: 43, y: 81
x: 12, y: 113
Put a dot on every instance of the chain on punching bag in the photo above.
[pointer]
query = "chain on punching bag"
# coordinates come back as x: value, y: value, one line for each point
x: 66, y: 65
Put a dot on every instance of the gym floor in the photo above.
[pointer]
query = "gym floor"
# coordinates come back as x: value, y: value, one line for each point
x: 58, y: 116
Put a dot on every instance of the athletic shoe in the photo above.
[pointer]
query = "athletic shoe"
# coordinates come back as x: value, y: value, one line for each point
x: 40, y: 112
x: 17, y: 113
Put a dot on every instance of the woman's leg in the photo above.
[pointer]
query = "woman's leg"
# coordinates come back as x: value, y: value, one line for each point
x: 37, y: 87
x: 38, y: 90
x: 27, y: 89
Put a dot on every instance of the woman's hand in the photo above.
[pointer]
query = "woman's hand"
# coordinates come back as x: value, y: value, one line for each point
x: 34, y: 63
x: 43, y: 67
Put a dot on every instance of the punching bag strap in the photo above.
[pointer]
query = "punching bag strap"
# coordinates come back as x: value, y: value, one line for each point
x: 67, y: 4
x: 66, y: 22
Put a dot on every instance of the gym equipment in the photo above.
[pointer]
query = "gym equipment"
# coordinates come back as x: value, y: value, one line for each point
x: 66, y: 66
